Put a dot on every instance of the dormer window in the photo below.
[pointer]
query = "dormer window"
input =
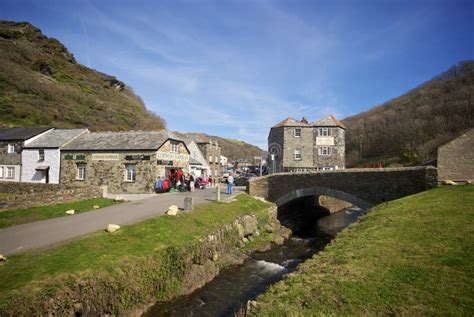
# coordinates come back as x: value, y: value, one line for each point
x: 11, y: 148
x: 297, y: 132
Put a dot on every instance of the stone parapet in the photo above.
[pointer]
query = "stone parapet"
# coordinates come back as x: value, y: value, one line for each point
x: 361, y: 187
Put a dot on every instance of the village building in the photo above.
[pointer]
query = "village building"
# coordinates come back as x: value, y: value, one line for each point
x: 300, y: 146
x: 12, y: 141
x: 212, y: 152
x: 198, y: 164
x: 456, y: 159
x: 41, y: 159
x: 125, y: 162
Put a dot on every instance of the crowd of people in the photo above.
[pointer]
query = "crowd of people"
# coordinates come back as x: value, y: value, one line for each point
x: 177, y: 181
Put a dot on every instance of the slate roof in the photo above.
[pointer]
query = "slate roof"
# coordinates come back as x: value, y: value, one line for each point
x: 20, y: 134
x: 291, y: 122
x: 134, y: 140
x: 55, y: 138
x: 194, y: 161
x: 329, y: 121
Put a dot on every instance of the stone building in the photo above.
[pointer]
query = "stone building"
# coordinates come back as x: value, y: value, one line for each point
x: 299, y: 146
x: 456, y: 158
x: 40, y: 159
x: 212, y: 151
x: 12, y: 141
x: 126, y: 162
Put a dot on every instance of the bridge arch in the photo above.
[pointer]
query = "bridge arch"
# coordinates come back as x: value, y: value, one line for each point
x: 319, y: 191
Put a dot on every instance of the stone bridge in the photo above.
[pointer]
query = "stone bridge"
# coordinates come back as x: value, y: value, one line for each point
x: 362, y: 187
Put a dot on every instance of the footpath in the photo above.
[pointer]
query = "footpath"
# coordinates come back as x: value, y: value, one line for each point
x: 45, y: 233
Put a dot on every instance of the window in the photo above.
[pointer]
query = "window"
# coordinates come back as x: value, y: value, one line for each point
x: 81, y: 172
x: 210, y: 158
x: 324, y: 131
x: 11, y: 148
x: 10, y: 172
x: 297, y: 154
x: 1, y: 171
x: 40, y: 155
x: 324, y: 150
x: 215, y: 172
x: 131, y: 173
x: 174, y: 147
x: 216, y: 159
x: 297, y: 132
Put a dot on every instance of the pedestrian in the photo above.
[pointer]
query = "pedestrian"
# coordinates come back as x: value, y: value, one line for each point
x: 230, y: 184
x: 191, y: 183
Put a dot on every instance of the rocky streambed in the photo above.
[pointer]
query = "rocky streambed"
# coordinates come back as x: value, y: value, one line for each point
x: 236, y: 286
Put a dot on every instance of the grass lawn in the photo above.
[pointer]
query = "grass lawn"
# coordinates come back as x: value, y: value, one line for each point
x: 16, y: 217
x: 101, y: 252
x: 412, y: 257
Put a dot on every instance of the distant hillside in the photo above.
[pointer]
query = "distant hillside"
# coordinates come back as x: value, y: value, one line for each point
x: 231, y: 148
x: 41, y: 84
x: 410, y: 128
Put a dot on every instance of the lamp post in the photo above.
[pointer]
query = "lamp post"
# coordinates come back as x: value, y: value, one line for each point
x: 260, y: 158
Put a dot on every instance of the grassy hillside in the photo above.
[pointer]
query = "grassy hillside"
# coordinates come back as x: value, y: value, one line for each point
x: 409, y: 257
x: 410, y: 128
x: 41, y: 84
x: 231, y: 148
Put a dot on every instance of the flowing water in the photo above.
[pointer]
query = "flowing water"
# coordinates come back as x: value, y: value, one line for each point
x: 236, y: 285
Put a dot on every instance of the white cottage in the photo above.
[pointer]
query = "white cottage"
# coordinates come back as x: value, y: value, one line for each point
x: 198, y: 164
x: 41, y: 158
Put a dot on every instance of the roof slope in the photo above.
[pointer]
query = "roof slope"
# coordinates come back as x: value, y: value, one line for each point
x: 13, y: 134
x: 135, y: 140
x: 56, y: 138
x: 290, y: 122
x: 329, y: 121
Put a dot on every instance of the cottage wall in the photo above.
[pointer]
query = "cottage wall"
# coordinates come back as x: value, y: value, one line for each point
x: 275, y: 146
x: 30, y: 163
x: 304, y: 143
x: 337, y: 144
x: 109, y: 167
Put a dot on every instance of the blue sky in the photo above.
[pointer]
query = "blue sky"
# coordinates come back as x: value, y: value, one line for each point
x: 235, y: 68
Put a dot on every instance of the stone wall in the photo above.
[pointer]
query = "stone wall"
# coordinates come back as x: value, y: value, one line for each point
x: 304, y: 143
x: 337, y: 156
x: 361, y: 187
x: 26, y: 195
x: 456, y: 159
x: 275, y: 146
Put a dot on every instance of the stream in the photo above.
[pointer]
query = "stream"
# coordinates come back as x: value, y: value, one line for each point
x: 236, y: 285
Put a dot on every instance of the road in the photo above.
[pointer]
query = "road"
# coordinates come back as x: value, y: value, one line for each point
x: 45, y: 233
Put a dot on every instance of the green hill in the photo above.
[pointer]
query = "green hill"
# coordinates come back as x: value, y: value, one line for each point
x: 41, y: 84
x: 410, y: 128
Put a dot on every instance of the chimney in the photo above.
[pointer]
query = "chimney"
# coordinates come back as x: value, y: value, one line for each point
x: 304, y: 120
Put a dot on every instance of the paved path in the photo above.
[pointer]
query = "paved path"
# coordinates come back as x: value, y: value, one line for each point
x: 47, y: 232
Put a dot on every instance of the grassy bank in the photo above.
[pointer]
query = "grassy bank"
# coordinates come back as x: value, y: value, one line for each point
x: 413, y: 256
x: 134, y: 260
x: 19, y: 216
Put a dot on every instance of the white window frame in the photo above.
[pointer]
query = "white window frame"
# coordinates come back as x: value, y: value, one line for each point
x: 11, y: 148
x: 324, y: 132
x: 216, y: 172
x: 10, y: 174
x: 297, y: 155
x: 210, y: 158
x: 131, y: 173
x: 324, y: 150
x: 40, y: 155
x: 2, y: 172
x: 297, y: 135
x: 216, y: 159
x: 81, y: 172
x: 174, y: 147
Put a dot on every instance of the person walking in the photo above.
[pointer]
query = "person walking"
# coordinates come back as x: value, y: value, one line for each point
x: 191, y: 183
x: 230, y: 183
